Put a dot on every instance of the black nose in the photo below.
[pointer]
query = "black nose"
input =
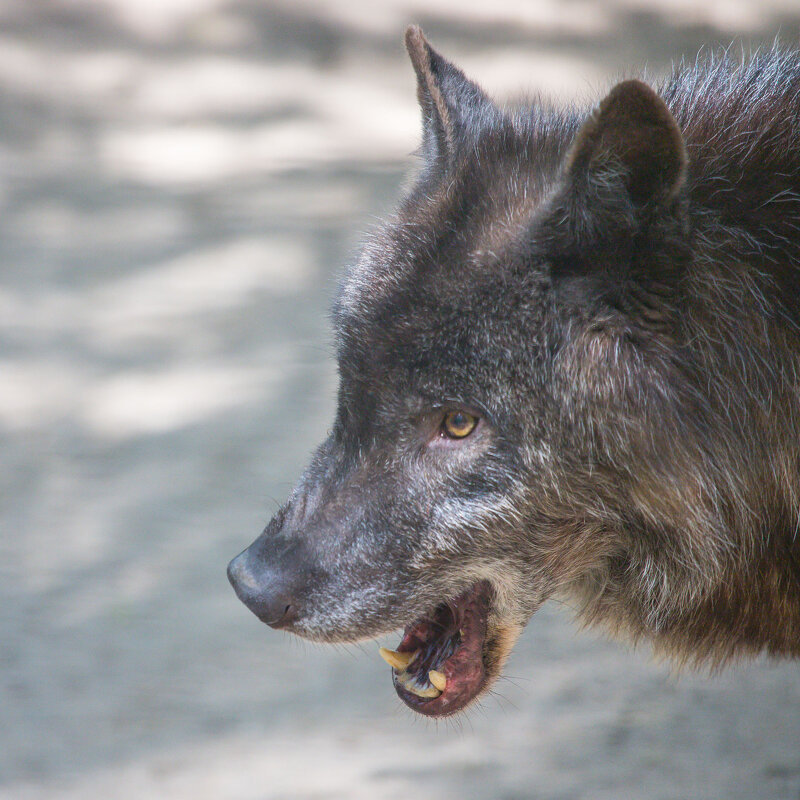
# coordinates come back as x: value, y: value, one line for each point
x: 263, y: 590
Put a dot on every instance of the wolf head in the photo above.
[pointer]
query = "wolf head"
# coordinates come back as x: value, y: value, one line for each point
x: 504, y: 349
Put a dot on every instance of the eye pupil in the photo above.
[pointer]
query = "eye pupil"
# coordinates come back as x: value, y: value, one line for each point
x: 458, y: 424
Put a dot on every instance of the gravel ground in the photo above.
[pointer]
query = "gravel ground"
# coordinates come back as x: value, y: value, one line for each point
x: 181, y: 182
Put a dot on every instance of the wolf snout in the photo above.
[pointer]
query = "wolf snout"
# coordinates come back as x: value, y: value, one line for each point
x: 267, y: 591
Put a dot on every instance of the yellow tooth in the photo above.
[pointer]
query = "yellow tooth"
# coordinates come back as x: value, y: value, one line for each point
x: 399, y: 661
x: 438, y: 679
x: 410, y: 684
x: 428, y: 692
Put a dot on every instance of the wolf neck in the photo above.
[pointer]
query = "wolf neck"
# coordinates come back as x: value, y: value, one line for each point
x: 752, y: 607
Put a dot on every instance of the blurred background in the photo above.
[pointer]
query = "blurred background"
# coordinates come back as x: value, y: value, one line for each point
x: 182, y: 182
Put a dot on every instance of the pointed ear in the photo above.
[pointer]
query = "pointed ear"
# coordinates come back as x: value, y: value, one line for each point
x: 452, y: 105
x: 632, y: 135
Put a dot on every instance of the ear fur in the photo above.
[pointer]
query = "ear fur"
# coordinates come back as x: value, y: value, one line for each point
x: 618, y: 222
x: 452, y: 105
x: 631, y: 133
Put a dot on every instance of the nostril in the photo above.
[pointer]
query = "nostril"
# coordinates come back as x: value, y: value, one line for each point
x: 284, y: 619
x: 274, y: 611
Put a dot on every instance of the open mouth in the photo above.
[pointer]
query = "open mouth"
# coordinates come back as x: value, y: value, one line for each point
x: 440, y: 665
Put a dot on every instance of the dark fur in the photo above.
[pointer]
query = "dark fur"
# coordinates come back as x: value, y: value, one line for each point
x: 617, y: 294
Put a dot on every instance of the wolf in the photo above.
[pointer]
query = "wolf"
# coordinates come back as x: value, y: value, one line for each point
x: 569, y: 368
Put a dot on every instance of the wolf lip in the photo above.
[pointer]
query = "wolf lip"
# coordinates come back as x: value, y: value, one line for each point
x: 450, y: 643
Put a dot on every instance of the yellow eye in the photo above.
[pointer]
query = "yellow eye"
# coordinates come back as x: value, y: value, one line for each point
x: 458, y: 424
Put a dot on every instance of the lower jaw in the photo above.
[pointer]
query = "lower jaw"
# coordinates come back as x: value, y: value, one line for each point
x: 450, y: 701
x: 436, y: 683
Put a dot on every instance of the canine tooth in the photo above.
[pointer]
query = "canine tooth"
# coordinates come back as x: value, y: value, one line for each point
x: 410, y: 685
x: 427, y: 692
x: 438, y: 679
x: 399, y: 661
